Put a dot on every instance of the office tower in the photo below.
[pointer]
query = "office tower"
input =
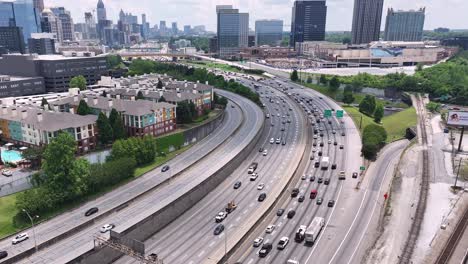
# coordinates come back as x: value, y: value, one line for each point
x: 101, y: 11
x: 308, y: 21
x: 66, y: 21
x: 144, y: 26
x: 367, y: 16
x: 42, y: 43
x: 404, y: 25
x: 232, y: 31
x: 24, y: 16
x: 175, y: 30
x: 187, y: 30
x: 11, y: 38
x: 268, y: 32
x: 51, y: 24
x: 7, y: 14
x: 90, y: 26
x: 39, y: 5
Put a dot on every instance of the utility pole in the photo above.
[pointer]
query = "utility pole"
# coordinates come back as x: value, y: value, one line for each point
x: 461, y: 139
x: 458, y: 173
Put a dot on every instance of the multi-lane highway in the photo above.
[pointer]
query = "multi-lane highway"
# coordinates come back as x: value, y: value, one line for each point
x: 190, y: 238
x: 242, y: 121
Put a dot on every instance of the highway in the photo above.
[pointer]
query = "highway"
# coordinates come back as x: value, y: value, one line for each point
x: 239, y: 127
x: 190, y: 238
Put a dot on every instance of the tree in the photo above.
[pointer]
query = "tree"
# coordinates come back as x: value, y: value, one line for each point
x: 334, y: 84
x: 113, y: 61
x: 309, y: 79
x: 348, y: 97
x: 373, y: 139
x: 347, y: 40
x: 323, y: 79
x: 294, y: 76
x: 184, y: 115
x: 78, y: 82
x: 367, y: 105
x: 83, y: 108
x: 104, y: 128
x: 118, y: 129
x: 433, y: 107
x: 104, y: 93
x: 162, y: 99
x: 160, y: 84
x: 379, y: 113
x: 193, y: 109
x: 113, y: 116
x: 34, y: 155
x: 44, y: 103
x: 140, y: 95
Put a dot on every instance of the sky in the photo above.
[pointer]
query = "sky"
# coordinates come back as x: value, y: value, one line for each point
x: 439, y: 13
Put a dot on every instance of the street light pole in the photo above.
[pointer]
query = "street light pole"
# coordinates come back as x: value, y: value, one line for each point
x: 32, y: 223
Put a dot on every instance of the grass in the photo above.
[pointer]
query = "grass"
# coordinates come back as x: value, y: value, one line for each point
x: 160, y: 160
x: 397, y: 124
x: 356, y: 116
x: 212, y: 65
x: 7, y: 212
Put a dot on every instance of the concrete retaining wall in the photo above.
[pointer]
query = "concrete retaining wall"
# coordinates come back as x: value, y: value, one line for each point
x: 200, y: 132
x: 158, y: 220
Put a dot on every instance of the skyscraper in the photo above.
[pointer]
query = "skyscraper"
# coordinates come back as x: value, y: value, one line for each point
x: 175, y: 30
x: 51, y: 23
x: 232, y: 31
x: 25, y: 16
x: 367, y: 16
x: 268, y: 32
x: 67, y: 22
x: 404, y: 25
x: 101, y: 11
x: 39, y: 5
x: 90, y: 26
x: 309, y: 19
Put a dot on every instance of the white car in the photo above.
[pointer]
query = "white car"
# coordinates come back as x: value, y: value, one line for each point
x: 314, y: 150
x: 260, y: 186
x: 315, y: 137
x: 220, y: 217
x: 254, y: 176
x: 270, y: 229
x: 107, y: 227
x: 7, y: 173
x: 278, y: 115
x: 283, y: 242
x: 329, y: 141
x: 265, y: 152
x: 20, y: 238
x: 303, y: 177
x: 334, y: 132
x: 258, y: 241
x: 272, y: 141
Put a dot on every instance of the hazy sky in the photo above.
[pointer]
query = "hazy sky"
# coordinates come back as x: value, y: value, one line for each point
x: 439, y: 13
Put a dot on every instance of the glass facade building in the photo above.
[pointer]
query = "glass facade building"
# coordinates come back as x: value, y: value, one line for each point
x: 7, y: 14
x: 27, y: 17
x: 367, y: 16
x: 268, y: 32
x: 308, y: 22
x: 233, y: 31
x: 404, y: 25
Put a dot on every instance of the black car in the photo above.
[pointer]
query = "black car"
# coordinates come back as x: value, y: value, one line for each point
x: 327, y: 181
x: 294, y: 192
x: 91, y: 211
x: 280, y: 212
x: 266, y: 248
x: 320, y: 153
x: 165, y: 168
x: 320, y: 180
x: 283, y: 142
x: 331, y: 203
x: 343, y: 134
x: 262, y: 197
x: 237, y: 185
x: 355, y: 175
x: 329, y: 122
x: 335, y: 143
x: 321, y: 144
x: 321, y: 135
x: 341, y: 147
x: 291, y: 213
x: 301, y: 198
x: 260, y: 150
x: 314, y: 144
x: 312, y: 178
x: 317, y: 164
x: 219, y: 229
x: 3, y: 254
x: 319, y: 201
x: 333, y: 167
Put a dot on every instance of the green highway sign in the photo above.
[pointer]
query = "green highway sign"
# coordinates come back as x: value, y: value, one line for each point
x: 362, y: 168
x: 339, y: 113
x: 328, y: 113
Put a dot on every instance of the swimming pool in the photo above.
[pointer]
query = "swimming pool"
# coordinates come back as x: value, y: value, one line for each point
x: 11, y: 155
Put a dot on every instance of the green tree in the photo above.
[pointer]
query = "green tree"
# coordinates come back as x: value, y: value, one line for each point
x: 367, y: 105
x: 162, y: 99
x: 379, y: 113
x: 309, y: 79
x: 433, y: 107
x: 184, y: 115
x: 113, y: 116
x: 193, y: 110
x: 334, y: 84
x: 78, y: 82
x: 323, y: 79
x: 34, y: 155
x: 83, y: 108
x: 104, y: 128
x: 140, y: 95
x: 294, y: 76
x: 113, y: 61
x: 104, y: 93
x: 348, y: 97
x: 118, y: 129
x: 44, y: 103
x: 373, y: 139
x: 160, y: 84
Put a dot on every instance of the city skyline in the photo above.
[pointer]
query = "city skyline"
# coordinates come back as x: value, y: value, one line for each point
x: 339, y: 16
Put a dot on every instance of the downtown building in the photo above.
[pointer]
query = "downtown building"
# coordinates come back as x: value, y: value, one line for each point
x: 308, y: 21
x: 232, y: 31
x: 268, y: 32
x: 404, y: 25
x: 367, y: 17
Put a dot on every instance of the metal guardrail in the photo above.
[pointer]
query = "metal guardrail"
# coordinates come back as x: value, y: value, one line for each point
x: 415, y: 229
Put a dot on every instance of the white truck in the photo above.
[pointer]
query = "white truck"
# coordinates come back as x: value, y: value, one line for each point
x: 324, y: 163
x: 313, y: 231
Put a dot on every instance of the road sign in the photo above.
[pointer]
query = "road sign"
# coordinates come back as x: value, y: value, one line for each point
x: 363, y: 168
x: 339, y: 113
x: 328, y: 113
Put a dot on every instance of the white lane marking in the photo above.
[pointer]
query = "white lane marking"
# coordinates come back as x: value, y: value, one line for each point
x: 201, y: 253
x: 237, y: 219
x: 212, y: 243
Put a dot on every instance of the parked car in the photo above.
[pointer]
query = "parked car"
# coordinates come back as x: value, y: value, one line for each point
x: 7, y: 173
x: 165, y: 168
x: 91, y: 211
x: 107, y: 227
x: 20, y: 238
x: 219, y: 229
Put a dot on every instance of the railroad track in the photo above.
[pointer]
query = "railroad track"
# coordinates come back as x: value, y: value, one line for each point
x: 452, y: 243
x: 410, y: 244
